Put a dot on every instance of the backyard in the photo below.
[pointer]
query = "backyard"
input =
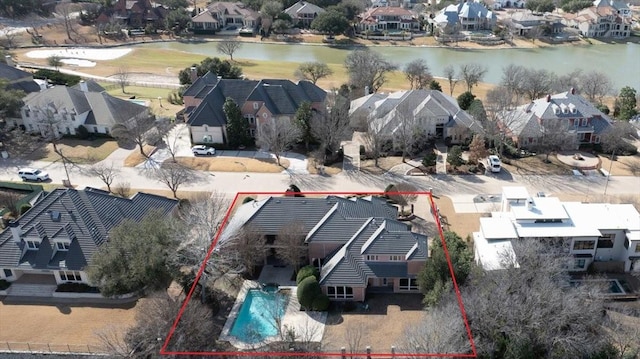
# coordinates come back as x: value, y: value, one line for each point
x: 77, y: 151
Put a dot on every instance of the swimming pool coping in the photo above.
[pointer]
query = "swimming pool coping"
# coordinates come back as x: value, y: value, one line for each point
x: 292, y: 314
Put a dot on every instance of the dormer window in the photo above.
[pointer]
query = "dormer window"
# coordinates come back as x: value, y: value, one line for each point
x: 255, y: 105
x: 63, y: 246
x: 396, y: 258
x: 370, y: 257
x: 32, y: 244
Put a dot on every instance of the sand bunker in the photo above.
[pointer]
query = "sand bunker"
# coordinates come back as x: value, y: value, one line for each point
x: 78, y: 62
x: 80, y: 53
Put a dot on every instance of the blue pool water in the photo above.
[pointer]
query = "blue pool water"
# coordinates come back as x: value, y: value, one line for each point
x: 256, y: 318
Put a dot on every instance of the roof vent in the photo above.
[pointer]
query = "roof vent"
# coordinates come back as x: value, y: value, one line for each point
x: 55, y: 216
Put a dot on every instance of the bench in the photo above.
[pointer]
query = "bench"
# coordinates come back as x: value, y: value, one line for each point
x: 605, y: 172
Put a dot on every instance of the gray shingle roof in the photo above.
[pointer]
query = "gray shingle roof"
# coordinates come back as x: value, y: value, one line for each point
x: 206, y: 81
x: 86, y: 217
x: 281, y: 97
x: 12, y: 74
x: 92, y: 86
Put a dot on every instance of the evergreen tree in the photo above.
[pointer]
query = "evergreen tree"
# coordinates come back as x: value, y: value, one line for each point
x: 626, y: 103
x: 237, y: 125
x: 304, y: 115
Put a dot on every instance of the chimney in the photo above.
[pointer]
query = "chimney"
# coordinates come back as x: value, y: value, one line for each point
x: 83, y: 86
x: 193, y: 74
x: 366, y: 91
x: 548, y: 98
x: 16, y: 230
x: 9, y: 61
x: 573, y: 91
x: 529, y: 203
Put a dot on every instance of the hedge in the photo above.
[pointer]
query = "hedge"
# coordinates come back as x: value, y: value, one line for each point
x: 307, y: 271
x: 308, y: 291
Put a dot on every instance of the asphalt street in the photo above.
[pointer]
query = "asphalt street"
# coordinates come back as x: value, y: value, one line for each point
x: 347, y: 181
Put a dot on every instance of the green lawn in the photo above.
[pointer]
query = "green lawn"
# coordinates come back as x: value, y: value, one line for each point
x: 155, y: 60
x: 79, y: 151
x: 144, y: 93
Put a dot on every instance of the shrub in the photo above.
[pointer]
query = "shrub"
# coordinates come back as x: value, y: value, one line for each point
x: 76, y: 288
x: 56, y: 77
x: 24, y: 208
x: 307, y: 271
x: 4, y: 284
x: 122, y: 189
x: 454, y: 157
x: 248, y: 199
x: 321, y: 303
x: 82, y: 132
x: 430, y: 159
x: 308, y: 290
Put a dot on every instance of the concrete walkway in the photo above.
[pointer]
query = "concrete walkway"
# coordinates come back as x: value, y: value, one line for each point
x: 441, y: 161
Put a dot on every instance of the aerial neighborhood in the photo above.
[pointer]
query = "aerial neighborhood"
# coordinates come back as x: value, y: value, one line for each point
x: 320, y: 178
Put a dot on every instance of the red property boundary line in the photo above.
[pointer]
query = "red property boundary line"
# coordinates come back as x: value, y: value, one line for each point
x: 434, y: 212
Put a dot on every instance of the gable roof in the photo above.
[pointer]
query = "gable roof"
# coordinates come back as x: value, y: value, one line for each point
x: 524, y: 120
x: 92, y: 86
x: 303, y: 7
x: 12, y: 74
x: 233, y: 9
x: 387, y: 109
x: 103, y: 108
x: 83, y: 216
x: 280, y: 97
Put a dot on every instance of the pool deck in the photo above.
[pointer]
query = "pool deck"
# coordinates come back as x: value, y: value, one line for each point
x: 308, y: 326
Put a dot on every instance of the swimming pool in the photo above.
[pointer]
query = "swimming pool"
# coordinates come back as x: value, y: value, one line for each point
x: 259, y: 316
x: 613, y: 286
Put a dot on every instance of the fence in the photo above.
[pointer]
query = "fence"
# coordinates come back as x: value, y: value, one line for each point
x: 49, y: 348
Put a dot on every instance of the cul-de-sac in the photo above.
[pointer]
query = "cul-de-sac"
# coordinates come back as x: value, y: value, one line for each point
x: 320, y: 179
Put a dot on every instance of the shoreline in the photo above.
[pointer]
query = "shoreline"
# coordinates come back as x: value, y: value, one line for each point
x: 461, y: 46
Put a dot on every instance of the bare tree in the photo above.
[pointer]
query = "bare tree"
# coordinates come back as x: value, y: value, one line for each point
x: 513, y: 77
x: 354, y: 335
x: 332, y: 126
x: 173, y: 175
x: 555, y: 136
x: 313, y: 71
x: 122, y: 77
x: 290, y: 247
x: 450, y: 75
x: 374, y: 140
x: 418, y: 74
x: 106, y: 173
x: 367, y: 68
x: 228, y: 47
x: 8, y: 40
x: 248, y: 248
x: 66, y: 10
x: 54, y: 61
x: 537, y: 83
x: 571, y: 80
x: 617, y: 137
x: 501, y: 116
x: 122, y: 189
x: 171, y: 135
x: 276, y: 136
x: 472, y: 74
x: 595, y: 85
x: 441, y: 331
x: 407, y: 132
x: 134, y: 132
x: 10, y: 200
x: 623, y: 334
x: 539, y: 314
x: 154, y: 319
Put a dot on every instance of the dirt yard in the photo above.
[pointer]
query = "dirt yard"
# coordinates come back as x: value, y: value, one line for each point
x: 384, y: 165
x: 536, y: 165
x: 464, y: 224
x: 135, y: 158
x: 60, y: 325
x: 381, y: 327
x: 78, y: 151
x: 622, y: 166
x: 234, y: 164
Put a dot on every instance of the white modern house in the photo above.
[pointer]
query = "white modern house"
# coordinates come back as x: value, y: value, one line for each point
x: 590, y: 232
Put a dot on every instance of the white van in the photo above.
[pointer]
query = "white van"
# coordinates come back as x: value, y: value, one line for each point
x: 494, y: 164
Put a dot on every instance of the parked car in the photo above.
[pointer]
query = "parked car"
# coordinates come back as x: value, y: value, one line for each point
x: 203, y: 150
x: 33, y: 174
x: 494, y: 163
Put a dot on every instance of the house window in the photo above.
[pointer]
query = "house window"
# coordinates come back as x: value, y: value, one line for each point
x: 7, y: 273
x: 579, y: 263
x: 638, y: 248
x: 252, y: 132
x: 70, y: 276
x: 370, y: 257
x: 27, y: 113
x: 95, y: 129
x: 62, y: 246
x: 205, y: 128
x: 584, y: 122
x: 582, y: 245
x: 252, y: 120
x: 265, y: 115
x: 30, y: 127
x: 395, y: 258
x: 340, y: 292
x: 408, y: 284
x: 106, y: 130
x: 33, y: 244
x: 606, y: 241
x: 255, y: 105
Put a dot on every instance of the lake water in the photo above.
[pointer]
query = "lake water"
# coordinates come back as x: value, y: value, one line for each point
x: 620, y: 61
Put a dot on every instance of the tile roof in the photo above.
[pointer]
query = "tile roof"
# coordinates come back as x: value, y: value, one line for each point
x: 83, y: 216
